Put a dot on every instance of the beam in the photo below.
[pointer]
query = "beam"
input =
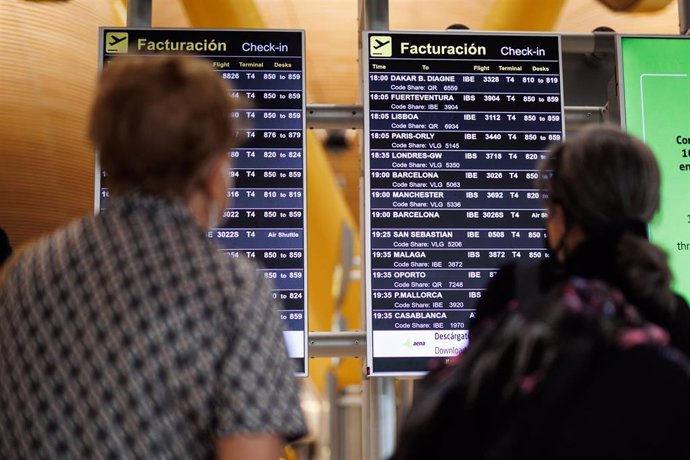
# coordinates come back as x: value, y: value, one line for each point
x: 373, y: 15
x: 330, y: 116
x: 138, y: 13
x: 337, y: 344
x: 684, y: 16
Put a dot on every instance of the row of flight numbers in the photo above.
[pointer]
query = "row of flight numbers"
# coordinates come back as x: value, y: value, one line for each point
x: 473, y: 117
x: 273, y: 275
x: 269, y: 174
x: 377, y: 154
x: 552, y: 137
x: 418, y: 325
x: 266, y: 95
x: 385, y: 96
x: 264, y: 154
x: 532, y: 175
x: 249, y: 214
x: 268, y: 154
x: 533, y: 234
x: 475, y: 254
x: 251, y: 134
x: 287, y: 295
x: 269, y: 76
x: 470, y: 78
x: 234, y: 193
x: 476, y: 214
x: 475, y: 294
x: 266, y: 255
x: 267, y: 115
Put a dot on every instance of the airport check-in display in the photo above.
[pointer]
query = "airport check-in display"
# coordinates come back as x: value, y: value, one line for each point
x: 455, y: 125
x: 266, y: 220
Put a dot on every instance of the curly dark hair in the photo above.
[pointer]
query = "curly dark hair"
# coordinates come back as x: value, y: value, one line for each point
x: 518, y: 350
x: 607, y: 183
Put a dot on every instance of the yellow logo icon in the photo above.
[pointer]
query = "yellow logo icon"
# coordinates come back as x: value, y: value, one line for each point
x: 116, y: 42
x: 380, y: 46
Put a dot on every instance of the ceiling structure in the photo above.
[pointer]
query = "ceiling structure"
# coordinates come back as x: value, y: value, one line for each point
x: 332, y: 44
x: 332, y: 38
x: 49, y: 61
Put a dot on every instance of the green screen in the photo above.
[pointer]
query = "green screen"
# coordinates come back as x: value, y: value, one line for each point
x: 656, y: 106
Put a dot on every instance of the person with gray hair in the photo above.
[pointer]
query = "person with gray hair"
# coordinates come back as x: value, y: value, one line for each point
x: 602, y: 190
x: 128, y: 334
x: 583, y: 355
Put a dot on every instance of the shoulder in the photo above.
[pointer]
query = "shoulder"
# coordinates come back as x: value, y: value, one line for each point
x: 627, y: 403
x: 655, y: 378
x: 511, y: 282
x: 664, y: 361
x: 544, y: 273
x: 503, y: 281
x: 679, y: 325
x: 40, y: 266
x: 51, y: 248
x: 681, y: 303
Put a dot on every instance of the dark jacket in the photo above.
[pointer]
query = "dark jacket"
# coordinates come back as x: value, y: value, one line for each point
x: 590, y: 260
x: 577, y: 375
x: 627, y: 404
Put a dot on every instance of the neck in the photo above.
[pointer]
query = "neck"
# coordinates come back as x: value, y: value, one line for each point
x: 197, y: 203
x: 572, y: 239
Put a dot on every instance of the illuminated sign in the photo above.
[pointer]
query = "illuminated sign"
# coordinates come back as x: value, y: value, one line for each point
x: 267, y: 218
x: 654, y: 77
x: 455, y: 125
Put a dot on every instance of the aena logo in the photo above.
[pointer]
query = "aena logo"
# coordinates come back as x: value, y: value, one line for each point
x: 417, y: 343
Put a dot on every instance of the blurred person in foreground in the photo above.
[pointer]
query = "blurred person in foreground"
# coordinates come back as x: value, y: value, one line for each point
x: 128, y: 334
x: 578, y: 356
x: 602, y: 189
x: 578, y: 374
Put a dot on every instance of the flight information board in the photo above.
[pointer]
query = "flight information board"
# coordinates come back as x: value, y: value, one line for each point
x: 654, y: 83
x: 267, y: 218
x: 455, y: 125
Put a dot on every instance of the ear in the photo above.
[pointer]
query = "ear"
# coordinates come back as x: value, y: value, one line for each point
x: 555, y: 225
x: 556, y: 212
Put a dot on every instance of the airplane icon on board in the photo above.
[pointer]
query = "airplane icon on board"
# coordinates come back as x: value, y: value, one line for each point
x: 380, y: 45
x: 116, y: 42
